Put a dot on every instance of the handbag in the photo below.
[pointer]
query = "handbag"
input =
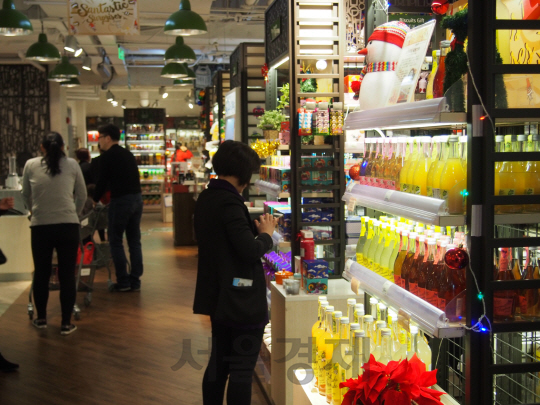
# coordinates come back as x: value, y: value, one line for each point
x: 3, y: 258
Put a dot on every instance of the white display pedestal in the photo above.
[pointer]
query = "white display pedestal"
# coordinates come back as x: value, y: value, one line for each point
x: 15, y: 243
x: 303, y: 394
x: 292, y: 319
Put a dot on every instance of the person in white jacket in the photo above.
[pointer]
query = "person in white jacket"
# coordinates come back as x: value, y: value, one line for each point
x: 54, y: 191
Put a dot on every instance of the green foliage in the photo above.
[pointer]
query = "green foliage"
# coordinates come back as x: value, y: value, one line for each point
x: 308, y: 86
x: 284, y: 99
x: 271, y: 119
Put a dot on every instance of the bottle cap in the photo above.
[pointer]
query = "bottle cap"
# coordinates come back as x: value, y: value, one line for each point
x: 437, y: 235
x: 444, y: 244
x: 386, y: 332
x: 359, y: 307
x: 373, y: 301
x: 329, y: 309
x: 444, y: 138
x: 359, y: 333
x: 463, y: 139
x: 445, y: 44
x: 421, y: 238
x: 324, y: 304
x: 382, y: 307
x: 499, y: 138
x: 355, y: 326
x: 522, y: 137
x: 368, y: 318
x: 413, y: 235
x: 359, y: 312
x: 453, y: 138
x: 431, y: 241
x: 380, y: 324
x: 404, y: 233
x: 351, y: 301
x: 323, y: 299
x: 344, y: 319
x: 450, y: 246
x: 414, y: 329
x: 337, y: 314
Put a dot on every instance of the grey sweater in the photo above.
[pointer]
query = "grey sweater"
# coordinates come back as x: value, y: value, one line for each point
x: 53, y: 200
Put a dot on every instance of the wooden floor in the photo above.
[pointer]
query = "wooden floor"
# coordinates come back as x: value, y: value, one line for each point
x: 126, y: 343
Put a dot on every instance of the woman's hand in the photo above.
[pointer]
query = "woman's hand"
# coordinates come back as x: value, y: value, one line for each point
x: 266, y: 224
x: 7, y: 203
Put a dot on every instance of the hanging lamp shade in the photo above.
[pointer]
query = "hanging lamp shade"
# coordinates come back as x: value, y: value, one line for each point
x: 73, y: 82
x: 174, y: 71
x: 43, y: 51
x: 180, y: 53
x: 190, y: 73
x: 12, y: 22
x: 55, y: 79
x: 182, y: 83
x: 185, y: 22
x: 65, y: 70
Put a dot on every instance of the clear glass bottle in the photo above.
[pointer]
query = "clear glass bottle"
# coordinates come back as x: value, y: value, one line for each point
x: 324, y: 354
x: 504, y: 301
x: 332, y: 367
x: 368, y: 329
x: 316, y: 330
x: 386, y: 346
x: 340, y: 367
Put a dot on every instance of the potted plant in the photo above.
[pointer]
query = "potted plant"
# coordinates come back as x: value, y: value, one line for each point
x: 270, y: 123
x: 284, y: 99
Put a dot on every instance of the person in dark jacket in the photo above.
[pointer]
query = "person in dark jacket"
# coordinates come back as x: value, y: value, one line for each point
x: 83, y: 156
x: 6, y: 204
x: 231, y: 285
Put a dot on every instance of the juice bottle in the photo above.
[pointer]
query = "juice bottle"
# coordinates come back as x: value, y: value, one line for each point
x: 499, y: 147
x: 332, y: 368
x: 436, y: 156
x: 398, y: 162
x: 415, y: 267
x: 351, y: 304
x: 324, y: 351
x: 438, y: 81
x: 376, y: 163
x: 386, y: 346
x: 409, y: 260
x: 512, y: 178
x: 432, y: 282
x: 368, y: 330
x: 401, y: 258
x: 421, y: 348
x: 407, y: 161
x: 504, y: 301
x: 379, y: 325
x: 377, y: 235
x: 372, y: 157
x: 369, y: 241
x: 453, y: 179
x: 359, y: 315
x: 419, y: 177
x: 533, y: 176
x: 447, y: 290
x: 365, y: 161
x: 390, y: 162
x: 375, y: 313
x: 358, y: 355
x: 401, y: 353
x: 440, y: 166
x: 429, y: 90
x: 316, y: 330
x: 415, y: 158
x: 341, y: 365
x: 463, y: 152
x: 347, y: 355
x: 384, y: 236
x: 390, y: 253
x: 426, y: 269
x: 361, y: 240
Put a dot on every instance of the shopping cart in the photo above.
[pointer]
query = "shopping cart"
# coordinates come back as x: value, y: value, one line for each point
x: 87, y: 264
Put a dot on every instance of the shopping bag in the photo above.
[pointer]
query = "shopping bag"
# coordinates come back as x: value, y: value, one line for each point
x: 88, y: 255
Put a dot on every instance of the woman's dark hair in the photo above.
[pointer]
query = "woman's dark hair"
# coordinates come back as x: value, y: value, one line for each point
x: 236, y: 159
x: 112, y: 130
x: 82, y: 155
x: 53, y: 143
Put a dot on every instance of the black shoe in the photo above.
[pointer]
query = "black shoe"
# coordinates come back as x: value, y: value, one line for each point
x: 116, y: 288
x: 136, y: 289
x: 40, y: 323
x: 67, y: 329
x: 7, y: 366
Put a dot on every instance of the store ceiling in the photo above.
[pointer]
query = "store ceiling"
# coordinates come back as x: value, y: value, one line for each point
x: 229, y: 22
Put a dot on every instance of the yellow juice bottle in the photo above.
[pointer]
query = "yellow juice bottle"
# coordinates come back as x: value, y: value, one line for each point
x: 332, y: 368
x: 387, y: 252
x: 436, y: 154
x: 385, y: 228
x: 419, y: 178
x: 389, y: 182
x: 377, y: 166
x: 401, y: 143
x: 409, y: 152
x: 374, y: 244
x: 440, y: 166
x: 345, y: 364
x: 369, y: 167
x: 324, y: 353
x: 453, y: 180
x: 431, y: 77
x: 533, y: 175
x: 316, y: 330
x: 499, y: 147
x: 414, y: 161
x: 512, y: 178
x: 362, y: 239
x: 369, y: 241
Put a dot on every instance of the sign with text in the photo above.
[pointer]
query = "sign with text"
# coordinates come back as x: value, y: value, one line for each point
x: 103, y: 17
x: 413, y: 54
x: 411, y: 19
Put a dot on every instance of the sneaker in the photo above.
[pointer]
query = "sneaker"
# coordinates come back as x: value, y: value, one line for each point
x: 7, y: 366
x: 67, y: 329
x: 136, y: 289
x: 116, y: 287
x: 40, y: 323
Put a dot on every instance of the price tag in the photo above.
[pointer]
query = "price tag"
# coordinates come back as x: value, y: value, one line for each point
x: 355, y: 285
x: 351, y: 204
x: 386, y: 286
x: 388, y: 195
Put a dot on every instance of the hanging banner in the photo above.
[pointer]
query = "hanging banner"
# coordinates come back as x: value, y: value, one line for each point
x: 103, y: 17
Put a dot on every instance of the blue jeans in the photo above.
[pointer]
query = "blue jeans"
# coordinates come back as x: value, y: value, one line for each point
x: 125, y: 216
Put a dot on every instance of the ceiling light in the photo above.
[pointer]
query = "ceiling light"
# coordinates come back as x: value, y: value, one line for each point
x: 78, y: 52
x: 74, y: 82
x: 12, y: 22
x: 182, y: 83
x: 110, y: 96
x: 114, y: 103
x: 124, y: 104
x: 185, y: 22
x: 174, y: 71
x: 87, y: 63
x: 180, y: 52
x: 71, y: 44
x: 321, y: 64
x: 64, y: 70
x: 43, y: 51
x: 190, y: 105
x: 163, y: 92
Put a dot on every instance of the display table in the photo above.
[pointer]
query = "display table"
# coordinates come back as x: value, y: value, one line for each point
x: 15, y: 243
x: 292, y: 319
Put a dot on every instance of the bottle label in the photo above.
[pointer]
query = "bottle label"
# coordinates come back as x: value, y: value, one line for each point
x: 523, y: 304
x: 429, y: 191
x: 529, y: 191
x: 363, y: 230
x: 507, y: 191
x: 504, y: 259
x: 359, y: 258
x: 431, y: 297
x: 444, y: 195
x: 416, y: 190
x: 503, y: 306
x: 404, y: 187
x: 422, y: 293
x: 436, y: 193
x: 441, y: 304
x: 413, y: 288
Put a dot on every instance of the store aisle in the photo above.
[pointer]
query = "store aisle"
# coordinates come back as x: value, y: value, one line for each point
x: 127, y: 344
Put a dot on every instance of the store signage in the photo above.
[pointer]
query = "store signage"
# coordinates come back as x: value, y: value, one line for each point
x: 411, y: 19
x: 410, y: 62
x: 103, y: 17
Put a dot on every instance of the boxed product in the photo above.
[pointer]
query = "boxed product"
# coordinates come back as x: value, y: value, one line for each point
x: 268, y: 206
x: 320, y: 232
x: 316, y: 285
x: 305, y: 161
x: 285, y: 186
x: 315, y: 276
x: 321, y: 178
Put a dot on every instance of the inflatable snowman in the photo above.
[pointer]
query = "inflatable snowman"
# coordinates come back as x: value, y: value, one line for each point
x: 382, y: 54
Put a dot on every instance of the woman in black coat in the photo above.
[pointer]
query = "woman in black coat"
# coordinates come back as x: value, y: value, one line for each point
x: 231, y: 286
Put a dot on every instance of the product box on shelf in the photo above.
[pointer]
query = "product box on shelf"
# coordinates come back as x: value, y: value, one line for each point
x: 269, y: 206
x: 316, y: 285
x: 317, y: 161
x: 320, y: 232
x: 317, y: 268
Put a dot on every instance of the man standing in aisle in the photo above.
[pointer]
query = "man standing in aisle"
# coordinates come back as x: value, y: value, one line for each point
x: 118, y: 172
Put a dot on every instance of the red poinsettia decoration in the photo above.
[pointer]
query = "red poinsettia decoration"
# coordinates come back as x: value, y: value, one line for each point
x: 396, y: 383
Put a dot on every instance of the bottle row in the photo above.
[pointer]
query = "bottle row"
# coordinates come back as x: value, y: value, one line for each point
x: 413, y: 258
x: 150, y: 159
x: 342, y: 344
x: 144, y: 129
x: 151, y: 200
x: 151, y: 174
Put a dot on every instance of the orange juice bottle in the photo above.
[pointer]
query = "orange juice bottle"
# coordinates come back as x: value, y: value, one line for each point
x: 414, y: 161
x: 419, y: 178
x: 408, y: 158
x: 512, y: 177
x: 453, y: 179
x: 316, y: 330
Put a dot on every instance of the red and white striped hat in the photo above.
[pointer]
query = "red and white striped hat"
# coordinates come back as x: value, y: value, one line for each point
x: 393, y: 32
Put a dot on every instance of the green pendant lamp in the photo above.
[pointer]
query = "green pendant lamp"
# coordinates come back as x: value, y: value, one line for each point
x: 43, y: 51
x: 185, y: 22
x: 182, y: 83
x: 180, y: 53
x: 174, y: 71
x: 190, y: 73
x: 73, y: 82
x: 55, y: 79
x: 64, y: 70
x: 12, y: 22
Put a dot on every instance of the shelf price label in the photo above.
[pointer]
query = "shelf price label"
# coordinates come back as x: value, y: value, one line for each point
x: 351, y: 204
